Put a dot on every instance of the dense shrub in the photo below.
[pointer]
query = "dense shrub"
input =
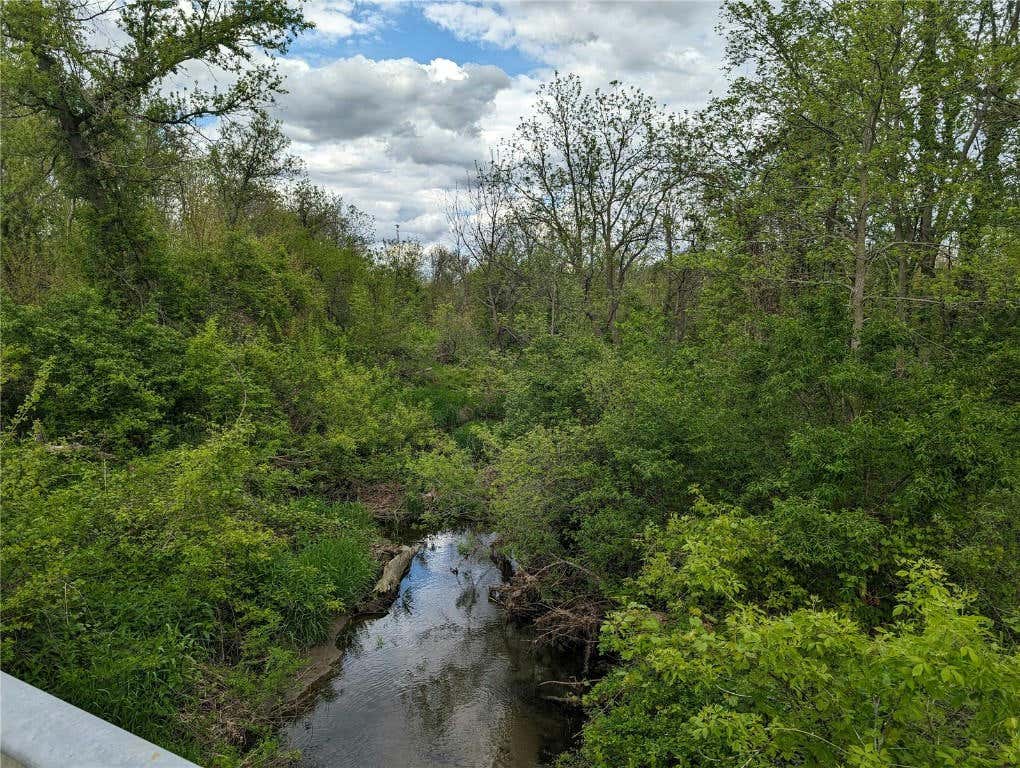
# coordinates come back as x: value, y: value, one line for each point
x: 95, y: 374
x: 713, y: 678
x: 121, y: 584
x: 446, y: 487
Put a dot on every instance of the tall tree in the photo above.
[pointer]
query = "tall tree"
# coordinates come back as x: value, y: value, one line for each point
x: 109, y: 106
x: 594, y: 172
x: 871, y: 127
x: 247, y: 162
x: 482, y: 221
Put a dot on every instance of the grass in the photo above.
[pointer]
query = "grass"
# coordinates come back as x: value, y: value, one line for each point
x: 346, y: 562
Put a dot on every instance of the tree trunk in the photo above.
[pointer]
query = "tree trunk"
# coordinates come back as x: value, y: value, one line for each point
x: 861, y: 235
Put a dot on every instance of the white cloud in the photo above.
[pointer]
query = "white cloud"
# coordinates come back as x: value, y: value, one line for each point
x: 393, y: 135
x: 353, y: 97
x: 394, y: 190
x: 668, y: 48
x: 336, y: 19
x: 474, y: 22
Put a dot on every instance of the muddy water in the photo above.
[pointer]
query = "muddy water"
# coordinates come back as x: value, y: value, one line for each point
x: 440, y: 680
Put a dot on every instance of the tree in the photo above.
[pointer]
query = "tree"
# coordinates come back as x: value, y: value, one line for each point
x: 593, y: 172
x: 108, y: 108
x: 247, y: 163
x: 869, y: 123
x: 483, y: 223
x: 681, y: 220
x: 327, y: 216
x: 35, y: 211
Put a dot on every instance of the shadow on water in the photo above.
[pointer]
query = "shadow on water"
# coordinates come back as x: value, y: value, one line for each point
x: 441, y: 680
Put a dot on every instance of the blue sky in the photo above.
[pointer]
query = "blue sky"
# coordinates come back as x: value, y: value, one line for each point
x: 392, y: 103
x: 407, y: 33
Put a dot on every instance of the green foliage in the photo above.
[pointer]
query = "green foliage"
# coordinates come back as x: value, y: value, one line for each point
x: 362, y: 426
x: 86, y: 371
x: 345, y: 561
x: 711, y: 558
x: 456, y: 395
x: 800, y: 304
x: 553, y: 499
x: 154, y: 554
x: 715, y: 680
x: 254, y: 282
x: 105, y: 112
x: 447, y: 488
x: 548, y: 384
x: 121, y: 585
x: 221, y: 378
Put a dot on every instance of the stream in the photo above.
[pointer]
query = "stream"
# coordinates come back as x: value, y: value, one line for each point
x: 443, y: 679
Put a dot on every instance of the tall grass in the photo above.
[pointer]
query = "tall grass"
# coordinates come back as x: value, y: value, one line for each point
x: 346, y: 562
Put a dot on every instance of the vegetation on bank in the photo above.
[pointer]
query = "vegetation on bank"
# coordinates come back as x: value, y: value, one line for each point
x: 737, y: 390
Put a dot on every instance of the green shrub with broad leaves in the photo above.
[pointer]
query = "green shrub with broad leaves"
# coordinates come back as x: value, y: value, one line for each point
x: 708, y: 674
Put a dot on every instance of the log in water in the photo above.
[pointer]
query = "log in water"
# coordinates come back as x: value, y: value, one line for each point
x: 441, y: 680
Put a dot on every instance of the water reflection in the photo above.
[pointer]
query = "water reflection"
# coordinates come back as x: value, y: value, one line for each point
x: 440, y: 680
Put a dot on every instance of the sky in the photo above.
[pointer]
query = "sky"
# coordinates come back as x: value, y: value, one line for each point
x: 392, y: 103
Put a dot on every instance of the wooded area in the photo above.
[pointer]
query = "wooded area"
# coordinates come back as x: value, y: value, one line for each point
x: 737, y: 389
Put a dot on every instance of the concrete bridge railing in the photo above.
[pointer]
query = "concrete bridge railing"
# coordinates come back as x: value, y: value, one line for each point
x: 38, y: 730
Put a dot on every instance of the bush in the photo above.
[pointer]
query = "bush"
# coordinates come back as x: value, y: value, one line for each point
x: 553, y: 497
x: 549, y: 384
x: 709, y: 677
x: 448, y: 488
x: 125, y: 586
x: 99, y: 376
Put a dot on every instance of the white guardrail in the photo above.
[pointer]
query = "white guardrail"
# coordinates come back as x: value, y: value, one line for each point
x: 38, y: 730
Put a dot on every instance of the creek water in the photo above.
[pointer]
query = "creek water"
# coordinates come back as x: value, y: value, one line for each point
x: 443, y: 679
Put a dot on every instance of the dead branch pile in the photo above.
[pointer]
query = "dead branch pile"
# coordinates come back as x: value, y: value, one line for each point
x: 558, y: 601
x: 384, y: 500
